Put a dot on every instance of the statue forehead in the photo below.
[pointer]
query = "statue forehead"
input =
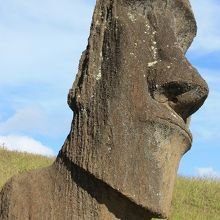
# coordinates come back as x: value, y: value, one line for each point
x: 183, y: 21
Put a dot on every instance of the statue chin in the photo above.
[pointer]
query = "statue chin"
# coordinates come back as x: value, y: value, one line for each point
x: 145, y: 172
x: 161, y: 157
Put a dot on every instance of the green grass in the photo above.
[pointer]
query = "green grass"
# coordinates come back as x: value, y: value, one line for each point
x: 12, y: 163
x: 194, y: 199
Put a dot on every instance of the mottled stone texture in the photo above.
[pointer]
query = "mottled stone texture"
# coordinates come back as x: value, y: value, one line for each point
x: 131, y: 99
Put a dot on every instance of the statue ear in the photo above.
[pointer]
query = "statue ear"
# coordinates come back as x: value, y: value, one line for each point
x: 73, y: 98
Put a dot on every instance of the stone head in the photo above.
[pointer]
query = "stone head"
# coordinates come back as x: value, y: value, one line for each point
x: 133, y: 96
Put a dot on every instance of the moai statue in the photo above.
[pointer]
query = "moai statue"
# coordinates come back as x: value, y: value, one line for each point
x: 132, y: 98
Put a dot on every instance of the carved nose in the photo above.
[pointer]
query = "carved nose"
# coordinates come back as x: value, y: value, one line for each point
x: 182, y: 88
x: 183, y: 97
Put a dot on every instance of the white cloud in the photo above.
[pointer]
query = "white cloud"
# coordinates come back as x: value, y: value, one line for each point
x: 34, y: 120
x: 25, y: 144
x: 207, y: 16
x: 28, y: 118
x: 208, y: 172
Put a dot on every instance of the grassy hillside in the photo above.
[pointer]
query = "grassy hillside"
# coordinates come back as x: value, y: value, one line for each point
x: 12, y: 163
x: 193, y: 199
x: 196, y: 199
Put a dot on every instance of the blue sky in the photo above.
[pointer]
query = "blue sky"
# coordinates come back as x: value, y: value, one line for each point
x: 40, y: 46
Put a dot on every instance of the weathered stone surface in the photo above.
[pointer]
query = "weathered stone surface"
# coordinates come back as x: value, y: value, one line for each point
x: 132, y: 97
